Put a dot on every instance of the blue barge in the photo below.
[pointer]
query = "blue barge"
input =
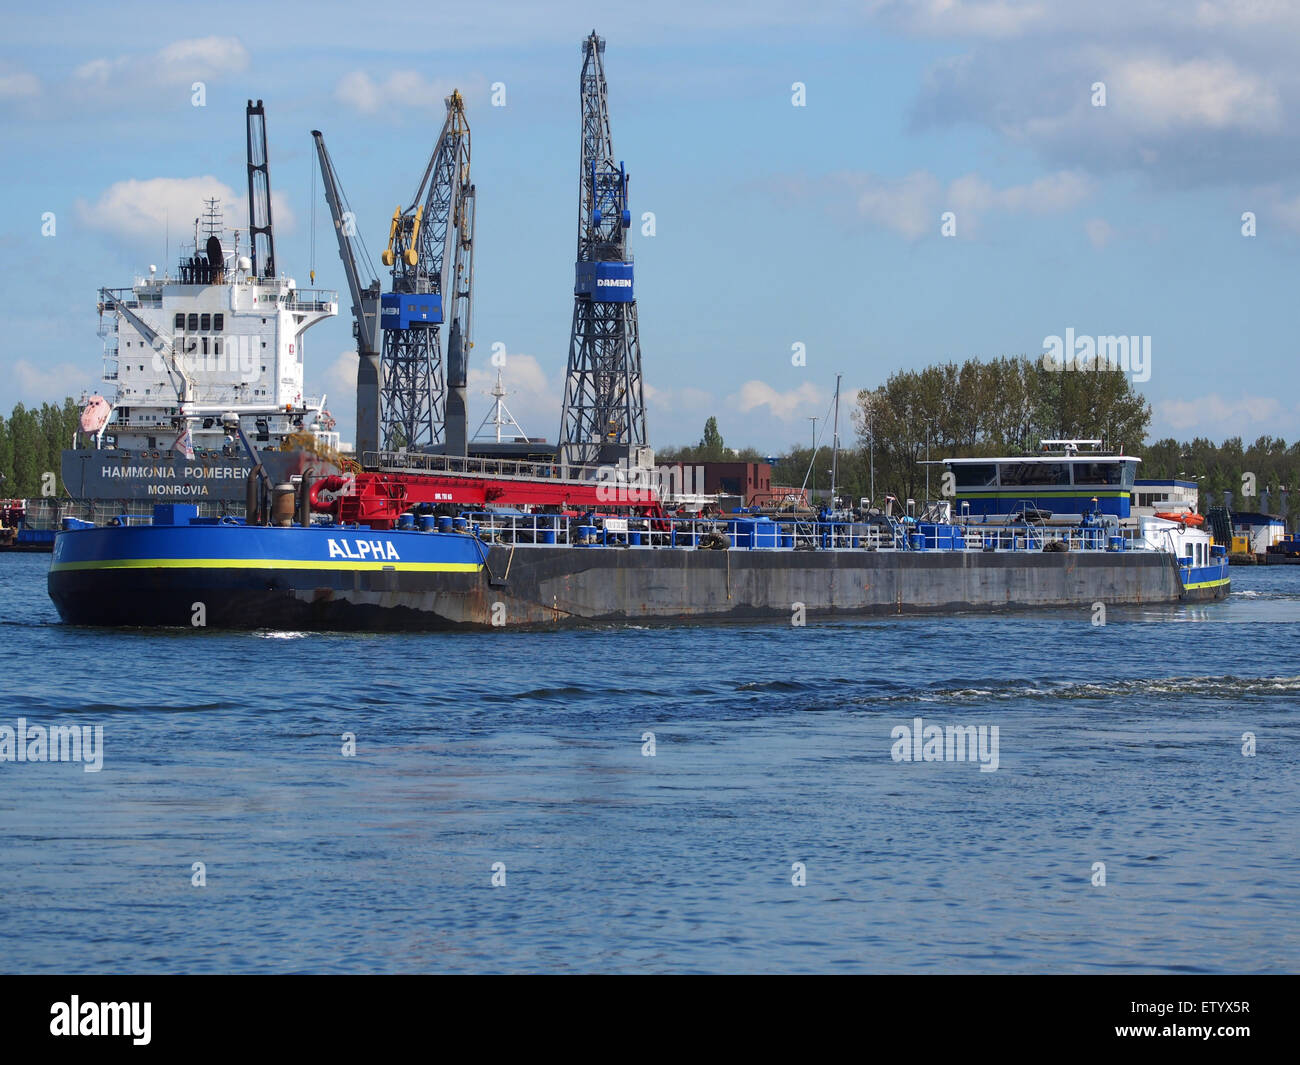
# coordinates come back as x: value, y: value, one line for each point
x: 494, y: 569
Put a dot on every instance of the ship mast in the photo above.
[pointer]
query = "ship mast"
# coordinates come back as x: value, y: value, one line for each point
x: 499, y: 415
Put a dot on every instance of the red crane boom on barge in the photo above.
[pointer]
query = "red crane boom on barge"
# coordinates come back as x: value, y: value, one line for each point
x: 378, y: 497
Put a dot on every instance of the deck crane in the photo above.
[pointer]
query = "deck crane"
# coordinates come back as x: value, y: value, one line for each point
x: 261, y: 236
x: 430, y: 251
x: 603, y: 419
x: 172, y: 360
x: 365, y: 301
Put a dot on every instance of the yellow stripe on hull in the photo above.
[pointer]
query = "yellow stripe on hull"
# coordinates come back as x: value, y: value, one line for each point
x: 269, y: 563
x: 1207, y: 584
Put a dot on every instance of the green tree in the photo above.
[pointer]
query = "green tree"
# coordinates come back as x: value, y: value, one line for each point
x: 711, y: 447
x: 6, y: 458
x: 28, y: 449
x: 50, y: 421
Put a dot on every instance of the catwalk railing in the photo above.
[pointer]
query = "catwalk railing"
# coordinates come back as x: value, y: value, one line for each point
x: 730, y: 533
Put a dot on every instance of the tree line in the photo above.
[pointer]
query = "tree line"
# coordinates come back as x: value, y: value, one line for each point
x: 31, y: 445
x: 1006, y: 406
x: 1268, y: 467
x: 996, y: 407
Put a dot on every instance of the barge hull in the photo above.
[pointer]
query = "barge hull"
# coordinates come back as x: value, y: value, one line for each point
x: 475, y: 586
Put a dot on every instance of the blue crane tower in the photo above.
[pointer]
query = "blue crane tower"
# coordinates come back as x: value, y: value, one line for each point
x: 431, y: 253
x: 603, y: 420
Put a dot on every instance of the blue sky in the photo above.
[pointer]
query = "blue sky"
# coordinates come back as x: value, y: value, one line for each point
x: 775, y: 224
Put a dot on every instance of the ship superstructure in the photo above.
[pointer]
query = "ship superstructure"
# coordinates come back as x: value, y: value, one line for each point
x: 211, y: 341
x: 192, y: 356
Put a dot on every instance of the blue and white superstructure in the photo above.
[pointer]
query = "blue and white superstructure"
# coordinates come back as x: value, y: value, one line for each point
x: 215, y: 342
x: 1067, y: 479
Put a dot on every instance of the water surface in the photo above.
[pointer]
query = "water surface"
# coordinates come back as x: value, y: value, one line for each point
x: 1119, y: 744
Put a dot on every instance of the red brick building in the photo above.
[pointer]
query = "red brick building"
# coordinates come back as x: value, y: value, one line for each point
x: 730, y: 478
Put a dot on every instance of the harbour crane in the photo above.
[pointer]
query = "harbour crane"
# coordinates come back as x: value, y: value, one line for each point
x: 365, y: 301
x: 603, y: 419
x: 431, y: 254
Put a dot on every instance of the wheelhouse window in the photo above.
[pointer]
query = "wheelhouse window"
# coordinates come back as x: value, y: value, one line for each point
x: 218, y: 322
x: 205, y: 322
x: 1099, y: 472
x: 1023, y: 474
x: 975, y: 475
x: 194, y: 323
x: 180, y: 321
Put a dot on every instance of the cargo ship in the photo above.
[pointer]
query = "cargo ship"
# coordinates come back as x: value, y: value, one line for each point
x: 190, y: 354
x: 449, y: 546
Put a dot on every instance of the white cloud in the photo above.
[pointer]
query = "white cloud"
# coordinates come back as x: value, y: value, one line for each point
x: 1288, y: 212
x: 911, y: 206
x: 1053, y: 192
x: 143, y: 210
x: 1003, y: 20
x: 1203, y: 95
x: 1245, y: 14
x: 1100, y: 232
x: 1213, y: 415
x: 1272, y: 205
x: 677, y: 399
x: 179, y: 63
x: 51, y: 383
x: 400, y: 93
x: 907, y: 205
x: 1151, y: 92
x: 979, y: 18
x: 532, y: 397
x: 340, y: 381
x: 787, y: 406
x: 16, y: 84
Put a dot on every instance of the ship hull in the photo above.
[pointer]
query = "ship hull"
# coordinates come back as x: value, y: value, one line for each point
x: 233, y: 576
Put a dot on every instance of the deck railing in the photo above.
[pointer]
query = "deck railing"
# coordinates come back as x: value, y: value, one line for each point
x: 418, y: 462
x: 722, y: 532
